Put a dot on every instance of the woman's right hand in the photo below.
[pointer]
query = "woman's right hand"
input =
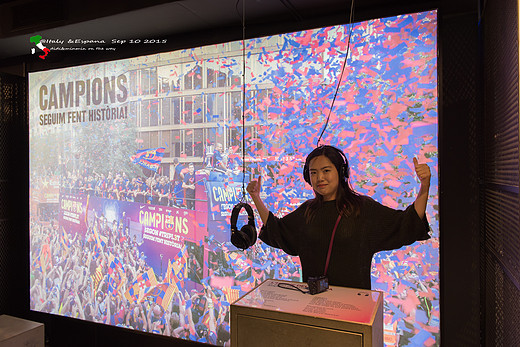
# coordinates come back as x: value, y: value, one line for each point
x: 255, y: 187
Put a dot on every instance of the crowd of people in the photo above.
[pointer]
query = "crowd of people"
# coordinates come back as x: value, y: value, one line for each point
x: 177, y: 191
x: 73, y: 275
x: 156, y: 189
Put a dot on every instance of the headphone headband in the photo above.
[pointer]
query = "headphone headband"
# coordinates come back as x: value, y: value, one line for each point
x: 236, y: 212
x: 343, y: 170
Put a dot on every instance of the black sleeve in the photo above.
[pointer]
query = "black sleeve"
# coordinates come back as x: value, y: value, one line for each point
x: 391, y: 229
x: 283, y: 232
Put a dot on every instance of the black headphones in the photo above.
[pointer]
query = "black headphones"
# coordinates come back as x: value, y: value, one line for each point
x: 343, y: 170
x: 246, y: 236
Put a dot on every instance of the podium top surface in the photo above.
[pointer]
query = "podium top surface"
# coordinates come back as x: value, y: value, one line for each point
x: 11, y: 326
x: 339, y: 303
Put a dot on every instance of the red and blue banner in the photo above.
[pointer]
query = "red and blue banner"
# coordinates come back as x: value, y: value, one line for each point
x: 149, y: 158
x: 72, y: 213
x: 159, y: 231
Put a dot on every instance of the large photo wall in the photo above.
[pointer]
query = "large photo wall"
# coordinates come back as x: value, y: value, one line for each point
x: 136, y: 164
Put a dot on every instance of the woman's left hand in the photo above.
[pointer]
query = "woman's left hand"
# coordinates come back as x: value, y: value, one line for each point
x: 423, y: 172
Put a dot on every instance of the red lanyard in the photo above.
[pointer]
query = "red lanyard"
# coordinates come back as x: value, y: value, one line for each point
x: 330, y: 245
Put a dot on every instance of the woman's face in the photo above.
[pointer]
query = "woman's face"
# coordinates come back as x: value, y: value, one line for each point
x: 324, y: 177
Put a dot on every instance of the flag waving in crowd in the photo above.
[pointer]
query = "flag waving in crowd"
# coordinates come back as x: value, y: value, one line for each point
x: 143, y: 281
x: 161, y: 293
x: 177, y: 269
x: 115, y: 275
x: 149, y: 158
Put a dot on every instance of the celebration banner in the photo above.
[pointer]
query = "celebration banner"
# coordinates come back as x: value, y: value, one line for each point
x: 158, y: 230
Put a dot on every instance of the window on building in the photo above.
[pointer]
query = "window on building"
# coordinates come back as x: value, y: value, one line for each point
x: 193, y: 77
x: 188, y: 109
x: 166, y: 111
x: 176, y: 110
x: 210, y: 136
x: 235, y: 106
x: 215, y: 106
x: 145, y: 81
x: 166, y: 141
x: 149, y: 81
x: 198, y: 112
x: 154, y: 112
x: 153, y: 81
x: 188, y: 142
x: 176, y: 143
x: 176, y: 85
x: 154, y: 139
x: 165, y: 85
x: 145, y: 113
x: 132, y: 111
x: 235, y: 79
x: 262, y: 103
x: 216, y: 78
x: 193, y: 112
x: 145, y: 140
x: 198, y: 142
x: 235, y: 137
x: 134, y: 85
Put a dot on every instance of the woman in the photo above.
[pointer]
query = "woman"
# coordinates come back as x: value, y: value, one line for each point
x: 364, y: 228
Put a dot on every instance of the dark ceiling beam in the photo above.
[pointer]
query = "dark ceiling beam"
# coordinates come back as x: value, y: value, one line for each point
x: 28, y: 16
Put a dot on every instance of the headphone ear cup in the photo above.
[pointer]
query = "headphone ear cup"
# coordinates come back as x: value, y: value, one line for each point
x: 246, y: 237
x: 345, y: 171
x: 306, y: 174
x: 249, y: 234
x: 238, y: 240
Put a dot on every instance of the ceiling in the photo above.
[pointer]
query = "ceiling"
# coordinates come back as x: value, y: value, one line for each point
x: 180, y: 22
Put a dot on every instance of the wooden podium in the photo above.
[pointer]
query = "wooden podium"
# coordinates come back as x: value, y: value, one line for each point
x: 16, y: 332
x: 272, y: 316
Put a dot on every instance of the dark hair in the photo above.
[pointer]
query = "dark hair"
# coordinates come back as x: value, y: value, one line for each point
x: 348, y: 201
